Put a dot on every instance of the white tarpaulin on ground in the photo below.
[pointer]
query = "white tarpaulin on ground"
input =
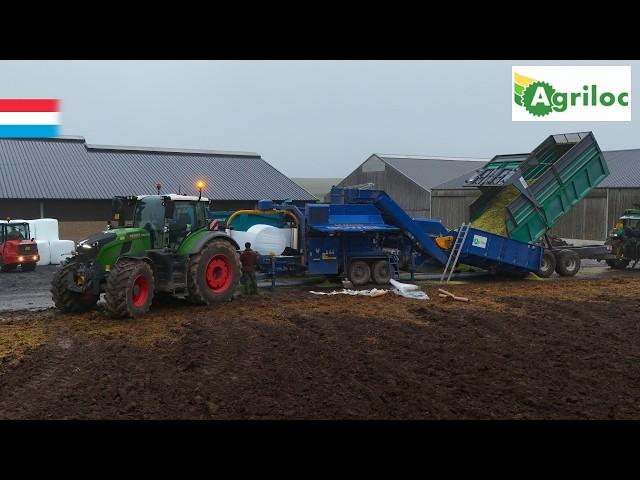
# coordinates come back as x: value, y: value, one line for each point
x: 403, y: 289
x: 408, y: 290
x: 374, y: 292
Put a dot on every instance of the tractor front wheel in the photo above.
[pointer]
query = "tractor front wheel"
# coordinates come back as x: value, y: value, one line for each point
x: 66, y: 300
x: 214, y: 273
x: 6, y: 268
x: 130, y: 288
x: 619, y: 263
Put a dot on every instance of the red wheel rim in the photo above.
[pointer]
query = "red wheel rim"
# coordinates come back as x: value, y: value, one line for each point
x: 218, y: 273
x: 140, y: 291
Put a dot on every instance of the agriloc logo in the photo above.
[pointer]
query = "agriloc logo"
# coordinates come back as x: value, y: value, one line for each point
x: 571, y: 93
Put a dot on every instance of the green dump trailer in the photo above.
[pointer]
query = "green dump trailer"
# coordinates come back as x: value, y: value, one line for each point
x: 537, y: 189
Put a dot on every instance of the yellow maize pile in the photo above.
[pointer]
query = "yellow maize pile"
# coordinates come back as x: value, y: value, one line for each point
x: 492, y: 219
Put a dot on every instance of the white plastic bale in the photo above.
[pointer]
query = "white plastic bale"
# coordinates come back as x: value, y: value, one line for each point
x: 47, y: 229
x: 61, y: 250
x: 45, y: 252
x: 269, y: 240
x: 241, y: 237
x: 264, y: 239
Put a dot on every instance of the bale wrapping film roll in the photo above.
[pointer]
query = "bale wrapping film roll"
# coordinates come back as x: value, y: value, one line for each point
x: 45, y: 252
x: 61, y: 250
x: 241, y: 237
x: 47, y: 229
x: 270, y: 240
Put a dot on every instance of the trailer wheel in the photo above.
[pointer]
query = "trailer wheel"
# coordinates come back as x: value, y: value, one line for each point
x: 548, y: 264
x: 359, y: 273
x: 129, y: 289
x: 381, y: 272
x: 567, y: 263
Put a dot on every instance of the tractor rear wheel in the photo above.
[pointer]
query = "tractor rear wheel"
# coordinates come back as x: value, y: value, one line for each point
x: 548, y: 264
x: 214, y: 273
x: 359, y: 273
x: 567, y: 263
x: 381, y: 272
x: 28, y: 267
x: 130, y: 288
x: 66, y: 300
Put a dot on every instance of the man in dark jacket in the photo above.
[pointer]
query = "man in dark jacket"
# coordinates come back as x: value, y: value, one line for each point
x: 249, y: 261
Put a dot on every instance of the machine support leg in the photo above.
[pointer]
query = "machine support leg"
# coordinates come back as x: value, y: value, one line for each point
x: 413, y: 268
x: 273, y: 273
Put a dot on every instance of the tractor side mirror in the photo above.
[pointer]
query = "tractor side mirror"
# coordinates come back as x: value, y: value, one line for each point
x: 210, y: 204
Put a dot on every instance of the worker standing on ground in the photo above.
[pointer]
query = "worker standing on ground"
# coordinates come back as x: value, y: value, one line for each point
x: 249, y: 260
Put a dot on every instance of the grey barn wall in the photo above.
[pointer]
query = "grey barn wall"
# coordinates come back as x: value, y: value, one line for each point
x: 84, y: 210
x: 587, y: 219
x: 590, y: 219
x: 452, y: 206
x: 414, y: 199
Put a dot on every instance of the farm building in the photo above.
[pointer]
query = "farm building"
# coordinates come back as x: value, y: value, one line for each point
x: 591, y: 219
x: 68, y: 179
x: 409, y: 179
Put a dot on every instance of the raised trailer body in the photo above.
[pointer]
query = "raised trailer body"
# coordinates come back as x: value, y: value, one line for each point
x: 550, y: 180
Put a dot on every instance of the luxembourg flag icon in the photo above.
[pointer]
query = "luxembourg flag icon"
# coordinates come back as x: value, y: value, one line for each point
x: 29, y: 118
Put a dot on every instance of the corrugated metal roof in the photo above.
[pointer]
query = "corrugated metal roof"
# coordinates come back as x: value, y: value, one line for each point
x: 624, y: 167
x: 67, y: 168
x: 455, y: 183
x: 431, y: 171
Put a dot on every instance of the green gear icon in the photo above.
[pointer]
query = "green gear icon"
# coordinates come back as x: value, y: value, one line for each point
x: 539, y: 109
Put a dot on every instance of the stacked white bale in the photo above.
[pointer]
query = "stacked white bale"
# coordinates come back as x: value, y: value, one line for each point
x: 46, y: 229
x: 44, y: 251
x: 61, y: 250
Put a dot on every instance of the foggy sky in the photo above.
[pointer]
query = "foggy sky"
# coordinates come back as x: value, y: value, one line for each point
x: 306, y: 118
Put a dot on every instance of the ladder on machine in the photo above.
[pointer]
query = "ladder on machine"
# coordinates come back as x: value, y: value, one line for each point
x: 455, y: 254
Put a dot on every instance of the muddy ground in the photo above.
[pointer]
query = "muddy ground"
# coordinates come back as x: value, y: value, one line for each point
x: 532, y: 349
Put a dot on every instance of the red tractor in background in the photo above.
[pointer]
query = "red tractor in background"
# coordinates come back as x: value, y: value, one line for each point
x: 17, y: 247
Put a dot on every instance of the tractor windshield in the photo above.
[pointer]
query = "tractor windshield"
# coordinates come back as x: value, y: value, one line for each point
x: 149, y: 214
x: 18, y: 231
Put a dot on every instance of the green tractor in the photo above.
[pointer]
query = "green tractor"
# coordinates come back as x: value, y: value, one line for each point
x: 160, y: 245
x: 624, y: 239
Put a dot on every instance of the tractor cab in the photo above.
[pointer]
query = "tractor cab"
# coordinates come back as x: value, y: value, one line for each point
x: 17, y: 247
x: 169, y: 219
x: 629, y: 223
